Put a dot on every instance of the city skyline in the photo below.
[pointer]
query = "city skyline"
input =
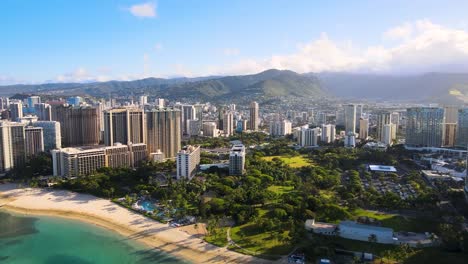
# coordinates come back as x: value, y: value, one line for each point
x: 126, y: 40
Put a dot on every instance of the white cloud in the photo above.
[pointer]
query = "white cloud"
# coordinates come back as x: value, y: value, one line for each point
x: 81, y: 75
x: 147, y: 9
x: 231, y: 51
x: 401, y: 32
x: 415, y: 47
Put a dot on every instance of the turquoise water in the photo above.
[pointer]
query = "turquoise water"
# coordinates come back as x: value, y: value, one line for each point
x: 147, y: 206
x: 51, y: 240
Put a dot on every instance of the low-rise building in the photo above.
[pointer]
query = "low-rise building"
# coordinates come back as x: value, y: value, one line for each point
x: 81, y: 161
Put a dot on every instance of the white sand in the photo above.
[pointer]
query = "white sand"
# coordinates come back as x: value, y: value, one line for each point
x: 104, y: 213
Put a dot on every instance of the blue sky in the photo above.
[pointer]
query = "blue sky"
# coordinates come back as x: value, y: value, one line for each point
x: 108, y: 39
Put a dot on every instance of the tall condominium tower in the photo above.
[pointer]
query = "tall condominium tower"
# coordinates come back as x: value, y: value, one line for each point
x: 462, y: 128
x: 12, y: 145
x: 383, y: 118
x: 124, y: 125
x: 237, y: 160
x: 280, y: 128
x: 363, y: 128
x: 188, y: 113
x: 16, y: 110
x: 424, y: 126
x: 187, y: 161
x: 34, y: 140
x: 52, y: 135
x: 254, y: 116
x: 228, y: 123
x: 328, y: 133
x: 163, y: 131
x: 43, y: 111
x: 79, y: 125
x: 350, y: 118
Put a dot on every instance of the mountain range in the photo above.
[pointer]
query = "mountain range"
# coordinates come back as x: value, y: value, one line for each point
x: 448, y: 88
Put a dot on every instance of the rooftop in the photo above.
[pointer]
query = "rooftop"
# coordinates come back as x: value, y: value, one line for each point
x: 352, y: 224
x: 382, y: 168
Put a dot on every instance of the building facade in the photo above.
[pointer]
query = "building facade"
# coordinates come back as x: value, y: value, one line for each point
x: 124, y: 125
x: 163, y: 131
x: 254, y: 116
x: 424, y: 126
x: 34, y: 140
x: 237, y: 160
x: 350, y: 118
x: 79, y: 125
x: 188, y: 159
x: 81, y: 161
x: 328, y: 133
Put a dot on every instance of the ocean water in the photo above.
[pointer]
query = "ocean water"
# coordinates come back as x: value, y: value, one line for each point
x: 49, y: 240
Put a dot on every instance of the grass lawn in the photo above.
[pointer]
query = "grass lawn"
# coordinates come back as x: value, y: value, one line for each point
x: 293, y: 162
x: 219, y: 238
x: 437, y: 255
x: 260, y: 243
x: 280, y: 190
x: 399, y: 223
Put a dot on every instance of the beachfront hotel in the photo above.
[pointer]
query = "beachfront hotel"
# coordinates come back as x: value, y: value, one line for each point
x: 124, y: 125
x: 187, y: 161
x: 163, y: 131
x: 12, y: 145
x: 80, y: 161
x: 79, y: 125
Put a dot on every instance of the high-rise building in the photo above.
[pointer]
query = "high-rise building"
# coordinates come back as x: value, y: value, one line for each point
x: 383, y: 118
x: 328, y: 133
x: 33, y: 101
x: 193, y: 127
x: 16, y: 110
x: 209, y: 129
x: 228, y: 123
x: 237, y: 160
x: 388, y: 134
x: 359, y: 114
x: 462, y: 128
x: 350, y: 118
x: 75, y: 101
x: 143, y: 100
x: 309, y: 137
x: 163, y: 131
x: 124, y: 125
x: 188, y: 113
x: 4, y: 103
x: 451, y: 114
x: 350, y: 140
x: 80, y: 161
x: 187, y: 161
x: 363, y: 128
x: 254, y: 116
x: 12, y: 145
x: 449, y: 135
x: 79, y: 125
x: 34, y: 140
x: 43, y: 111
x: 395, y: 119
x: 51, y: 133
x: 160, y: 103
x: 424, y: 126
x: 280, y: 128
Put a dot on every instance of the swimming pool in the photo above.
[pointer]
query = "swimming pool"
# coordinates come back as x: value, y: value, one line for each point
x: 147, y: 206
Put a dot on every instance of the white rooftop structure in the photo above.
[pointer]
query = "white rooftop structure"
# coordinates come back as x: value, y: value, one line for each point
x: 382, y: 168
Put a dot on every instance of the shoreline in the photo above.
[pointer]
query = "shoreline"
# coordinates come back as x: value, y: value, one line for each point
x: 99, y: 212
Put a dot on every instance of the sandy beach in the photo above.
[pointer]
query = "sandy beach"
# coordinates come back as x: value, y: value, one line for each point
x: 109, y: 215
